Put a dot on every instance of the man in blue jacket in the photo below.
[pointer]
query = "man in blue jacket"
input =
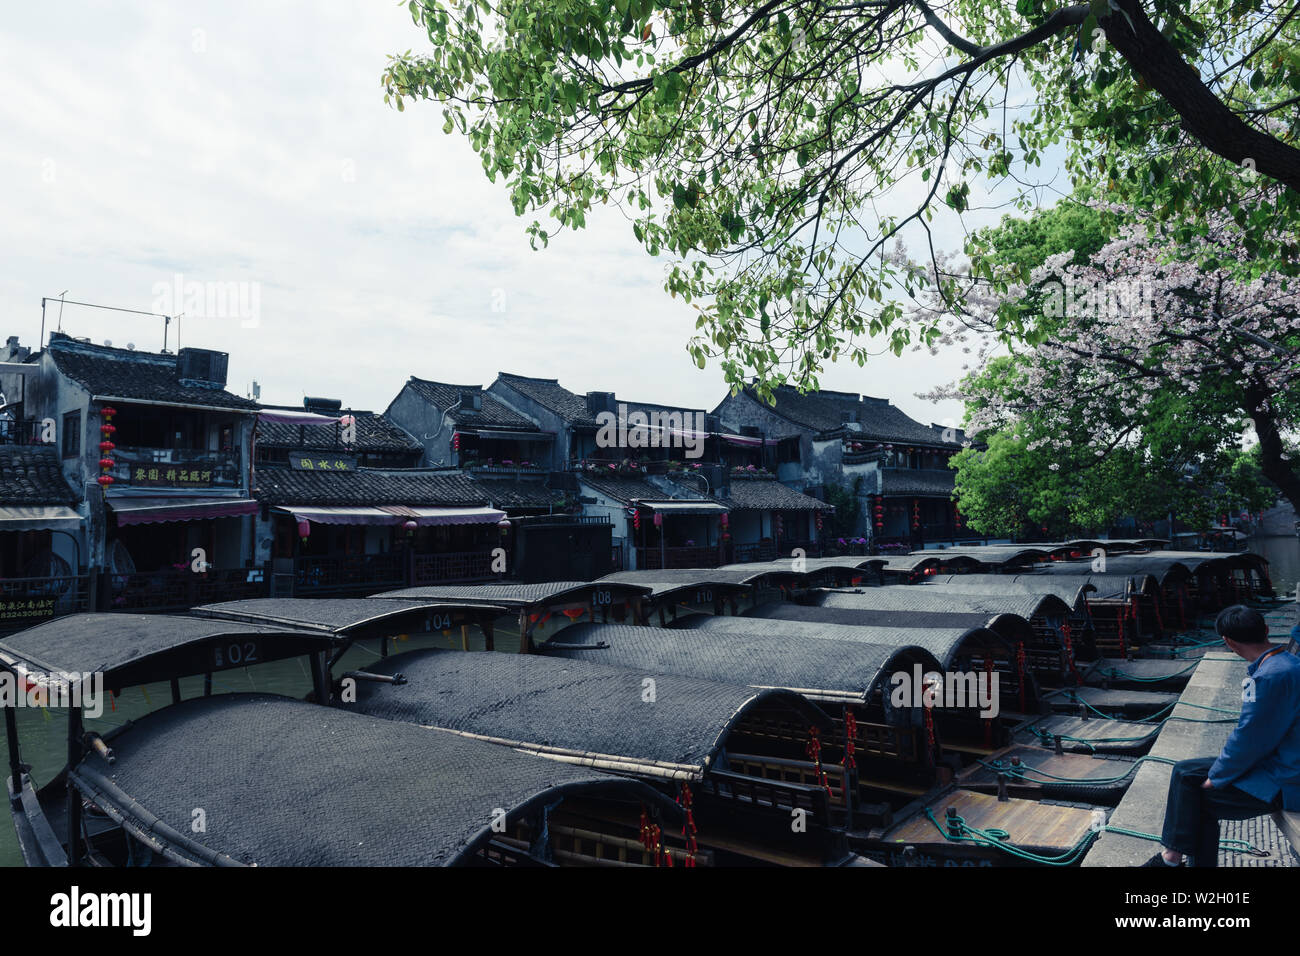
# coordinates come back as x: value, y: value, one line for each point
x: 1258, y: 770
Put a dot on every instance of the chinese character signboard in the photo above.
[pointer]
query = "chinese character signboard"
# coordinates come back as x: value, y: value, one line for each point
x: 194, y: 474
x: 320, y: 461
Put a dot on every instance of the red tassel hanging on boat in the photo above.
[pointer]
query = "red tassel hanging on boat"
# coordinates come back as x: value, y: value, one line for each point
x: 1069, y: 652
x: 1020, y: 669
x: 814, y: 751
x: 685, y: 800
x: 850, y: 736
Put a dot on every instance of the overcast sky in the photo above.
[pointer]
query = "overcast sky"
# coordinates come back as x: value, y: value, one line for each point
x: 142, y: 144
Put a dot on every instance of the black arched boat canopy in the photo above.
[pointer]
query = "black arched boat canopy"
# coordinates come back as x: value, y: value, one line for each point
x: 322, y: 787
x: 949, y: 645
x: 519, y: 596
x: 1072, y: 590
x: 133, y: 649
x: 577, y: 710
x: 1047, y: 607
x: 818, y: 668
x: 353, y: 616
x: 683, y: 585
x: 1010, y: 625
x: 992, y: 555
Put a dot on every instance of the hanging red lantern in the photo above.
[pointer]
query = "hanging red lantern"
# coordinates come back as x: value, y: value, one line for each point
x: 723, y: 519
x: 455, y: 441
x: 106, y: 464
x: 106, y: 446
x: 410, y: 525
x: 107, y: 428
x: 636, y: 519
x: 105, y: 480
x: 108, y: 411
x: 659, y: 519
x: 819, y: 521
x: 304, y: 528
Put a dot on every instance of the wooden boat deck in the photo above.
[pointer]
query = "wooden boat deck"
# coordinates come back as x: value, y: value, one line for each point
x: 1044, y: 829
x: 1095, y: 779
x: 1131, y: 703
x: 1094, y: 735
x: 1137, y: 674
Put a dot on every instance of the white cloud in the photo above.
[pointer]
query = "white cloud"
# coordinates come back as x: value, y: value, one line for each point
x: 250, y: 142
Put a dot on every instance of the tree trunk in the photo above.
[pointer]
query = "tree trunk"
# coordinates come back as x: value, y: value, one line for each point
x: 1271, y: 448
x: 1203, y: 114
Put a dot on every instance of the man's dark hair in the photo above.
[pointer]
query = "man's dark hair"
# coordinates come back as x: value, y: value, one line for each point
x: 1242, y: 624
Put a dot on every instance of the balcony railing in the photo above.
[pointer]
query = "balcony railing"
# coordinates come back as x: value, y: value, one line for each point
x: 320, y: 575
x: 181, y: 589
x: 361, y: 574
x: 452, y: 567
x: 26, y: 602
x: 25, y: 431
x: 654, y: 559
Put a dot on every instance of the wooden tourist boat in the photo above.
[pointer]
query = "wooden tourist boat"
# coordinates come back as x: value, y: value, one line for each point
x: 896, y: 750
x: 736, y: 755
x: 534, y: 604
x: 1057, y: 649
x: 969, y: 650
x: 253, y: 763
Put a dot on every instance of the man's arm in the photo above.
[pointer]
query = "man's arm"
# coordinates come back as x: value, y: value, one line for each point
x: 1264, y: 721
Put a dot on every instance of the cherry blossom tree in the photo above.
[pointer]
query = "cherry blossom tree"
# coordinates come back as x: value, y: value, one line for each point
x: 1138, y: 326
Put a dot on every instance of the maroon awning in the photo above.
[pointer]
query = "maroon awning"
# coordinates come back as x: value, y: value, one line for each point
x: 154, y: 510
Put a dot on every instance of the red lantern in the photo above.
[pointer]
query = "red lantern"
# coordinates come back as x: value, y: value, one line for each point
x: 107, y: 429
x: 108, y: 411
x: 304, y: 528
x: 455, y: 441
x: 723, y: 519
x: 636, y: 519
x: 105, y: 480
x: 410, y: 525
x: 106, y: 464
x: 659, y: 519
x: 106, y: 446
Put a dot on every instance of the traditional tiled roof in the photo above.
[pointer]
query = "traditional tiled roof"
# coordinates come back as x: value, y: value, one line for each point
x: 830, y: 411
x: 629, y: 488
x: 375, y: 433
x: 32, y: 475
x: 768, y: 494
x: 551, y: 395
x: 279, y: 485
x: 494, y: 413
x: 510, y: 493
x: 136, y: 376
x: 923, y: 482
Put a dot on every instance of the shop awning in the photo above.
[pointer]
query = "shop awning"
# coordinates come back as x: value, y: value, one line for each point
x: 686, y: 507
x: 154, y: 510
x: 438, y: 516
x: 337, y: 514
x: 38, y: 518
x: 391, y: 514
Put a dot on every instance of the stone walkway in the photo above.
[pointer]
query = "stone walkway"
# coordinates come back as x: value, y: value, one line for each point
x: 1216, y: 683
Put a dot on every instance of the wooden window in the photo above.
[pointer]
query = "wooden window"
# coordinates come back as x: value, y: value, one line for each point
x: 72, y: 434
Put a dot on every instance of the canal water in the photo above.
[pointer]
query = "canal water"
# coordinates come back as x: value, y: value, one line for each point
x: 42, y: 732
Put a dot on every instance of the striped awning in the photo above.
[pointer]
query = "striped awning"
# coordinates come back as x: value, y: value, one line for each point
x: 686, y: 507
x: 155, y: 510
x: 38, y: 518
x: 391, y: 514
